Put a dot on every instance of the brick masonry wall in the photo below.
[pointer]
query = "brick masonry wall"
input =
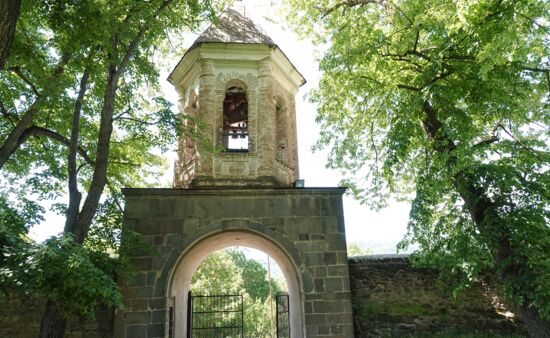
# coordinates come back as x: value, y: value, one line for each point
x: 20, y: 317
x: 392, y: 299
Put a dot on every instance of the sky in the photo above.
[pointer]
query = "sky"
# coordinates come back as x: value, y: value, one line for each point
x: 378, y: 231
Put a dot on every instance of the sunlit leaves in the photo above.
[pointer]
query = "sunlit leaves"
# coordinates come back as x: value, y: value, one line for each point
x: 484, y: 68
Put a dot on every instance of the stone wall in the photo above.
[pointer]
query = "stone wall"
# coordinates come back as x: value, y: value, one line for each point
x: 392, y: 299
x: 20, y: 317
x: 306, y: 225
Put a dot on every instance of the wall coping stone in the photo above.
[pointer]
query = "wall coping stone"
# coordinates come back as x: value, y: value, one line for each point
x: 384, y: 257
x: 244, y: 191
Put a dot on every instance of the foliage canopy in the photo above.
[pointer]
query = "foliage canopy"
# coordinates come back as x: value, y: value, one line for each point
x: 445, y: 103
x: 81, y: 113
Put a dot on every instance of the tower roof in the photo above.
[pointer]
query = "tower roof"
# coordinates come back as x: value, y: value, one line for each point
x: 234, y: 26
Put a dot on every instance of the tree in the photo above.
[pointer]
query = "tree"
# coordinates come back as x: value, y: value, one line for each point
x: 9, y: 12
x: 446, y: 103
x: 254, y: 273
x: 354, y: 249
x: 230, y: 272
x: 79, y: 110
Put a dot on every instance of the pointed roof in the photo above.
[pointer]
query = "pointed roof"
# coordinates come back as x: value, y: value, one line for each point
x: 234, y: 26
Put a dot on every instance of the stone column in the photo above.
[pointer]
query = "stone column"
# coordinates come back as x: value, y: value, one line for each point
x: 265, y: 124
x: 207, y: 114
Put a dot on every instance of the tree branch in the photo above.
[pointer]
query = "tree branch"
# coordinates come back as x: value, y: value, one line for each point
x: 349, y: 3
x: 13, y: 141
x: 74, y: 195
x: 40, y: 131
x: 19, y: 73
x: 407, y: 87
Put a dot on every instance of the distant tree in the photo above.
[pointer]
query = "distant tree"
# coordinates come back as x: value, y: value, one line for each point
x: 354, y: 249
x: 230, y: 272
x: 446, y: 103
x: 255, y: 275
x: 218, y: 274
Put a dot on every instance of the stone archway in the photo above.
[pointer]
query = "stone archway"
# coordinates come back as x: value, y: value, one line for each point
x: 185, y: 268
x: 302, y: 229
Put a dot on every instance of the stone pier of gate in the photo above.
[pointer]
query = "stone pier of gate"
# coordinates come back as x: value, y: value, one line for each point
x: 301, y: 228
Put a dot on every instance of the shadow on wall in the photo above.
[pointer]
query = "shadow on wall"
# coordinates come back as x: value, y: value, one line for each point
x: 392, y: 299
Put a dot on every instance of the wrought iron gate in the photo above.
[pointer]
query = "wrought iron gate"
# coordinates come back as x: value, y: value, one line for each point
x: 283, y: 319
x: 219, y: 316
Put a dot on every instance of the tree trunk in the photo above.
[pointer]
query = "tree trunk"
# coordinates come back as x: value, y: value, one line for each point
x: 53, y: 321
x: 9, y: 13
x: 536, y: 326
x: 483, y: 213
x: 99, y: 178
x: 16, y: 136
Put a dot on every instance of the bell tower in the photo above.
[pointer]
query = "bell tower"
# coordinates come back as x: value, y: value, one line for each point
x: 237, y: 99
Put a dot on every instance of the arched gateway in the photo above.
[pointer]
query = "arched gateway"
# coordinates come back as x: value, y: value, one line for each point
x: 237, y: 89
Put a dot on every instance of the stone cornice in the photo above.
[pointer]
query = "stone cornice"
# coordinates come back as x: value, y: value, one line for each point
x: 245, y: 191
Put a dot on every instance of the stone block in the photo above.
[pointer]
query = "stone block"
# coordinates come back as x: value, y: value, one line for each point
x: 339, y: 318
x: 306, y: 206
x: 318, y: 237
x: 316, y: 319
x: 144, y: 292
x: 314, y: 259
x: 337, y: 306
x: 138, y: 305
x: 237, y: 207
x: 308, y: 307
x: 164, y: 207
x: 158, y: 316
x: 303, y: 237
x: 136, y: 331
x: 155, y: 331
x: 139, y: 279
x: 336, y: 242
x: 277, y: 206
x: 330, y: 258
x: 190, y: 225
x: 321, y: 306
x: 320, y: 285
x: 159, y: 240
x: 142, y: 264
x: 307, y: 282
x: 148, y: 227
x: 337, y: 270
x: 136, y: 208
x: 311, y: 246
x: 157, y: 303
x: 320, y: 271
x: 311, y: 330
x: 171, y: 226
x: 334, y: 284
x: 313, y: 296
x: 139, y: 317
x: 151, y: 278
x: 342, y: 258
x: 323, y: 330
